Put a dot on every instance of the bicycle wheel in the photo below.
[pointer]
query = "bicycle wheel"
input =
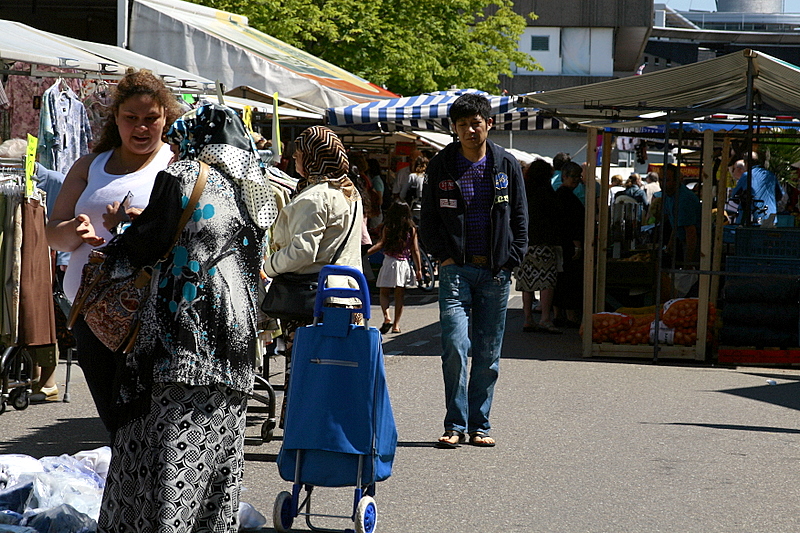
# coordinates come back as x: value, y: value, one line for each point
x: 428, y: 276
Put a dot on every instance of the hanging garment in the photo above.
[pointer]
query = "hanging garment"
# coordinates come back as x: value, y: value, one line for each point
x: 23, y: 93
x: 37, y: 324
x: 64, y: 130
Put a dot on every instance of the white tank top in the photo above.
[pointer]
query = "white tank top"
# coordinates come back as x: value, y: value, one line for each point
x: 102, y: 189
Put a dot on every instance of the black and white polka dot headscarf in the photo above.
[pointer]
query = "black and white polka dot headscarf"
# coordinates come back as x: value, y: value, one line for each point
x: 216, y: 135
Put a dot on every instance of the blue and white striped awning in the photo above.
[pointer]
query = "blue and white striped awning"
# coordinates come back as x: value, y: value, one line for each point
x: 429, y: 112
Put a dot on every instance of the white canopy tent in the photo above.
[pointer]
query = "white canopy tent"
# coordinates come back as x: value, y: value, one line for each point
x: 740, y: 82
x: 19, y: 42
x: 222, y: 45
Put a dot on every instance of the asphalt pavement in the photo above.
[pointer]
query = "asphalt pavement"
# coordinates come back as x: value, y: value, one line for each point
x: 584, y: 445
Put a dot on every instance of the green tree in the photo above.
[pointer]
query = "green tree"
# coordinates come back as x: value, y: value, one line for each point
x: 410, y: 47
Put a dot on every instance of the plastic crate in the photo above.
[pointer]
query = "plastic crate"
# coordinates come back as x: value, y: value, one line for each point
x: 764, y: 265
x: 771, y: 243
x: 729, y: 234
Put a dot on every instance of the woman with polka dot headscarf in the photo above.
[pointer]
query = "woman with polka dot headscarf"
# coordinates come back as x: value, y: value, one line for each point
x: 178, y: 457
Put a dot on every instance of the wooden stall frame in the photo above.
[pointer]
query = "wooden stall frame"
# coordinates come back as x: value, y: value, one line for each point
x: 595, y: 252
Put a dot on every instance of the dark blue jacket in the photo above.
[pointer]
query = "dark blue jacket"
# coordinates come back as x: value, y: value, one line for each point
x: 442, y: 218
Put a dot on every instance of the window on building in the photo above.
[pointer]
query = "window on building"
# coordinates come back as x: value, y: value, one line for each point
x: 540, y: 43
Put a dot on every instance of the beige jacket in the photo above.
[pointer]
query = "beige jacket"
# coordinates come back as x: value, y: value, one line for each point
x: 311, y: 228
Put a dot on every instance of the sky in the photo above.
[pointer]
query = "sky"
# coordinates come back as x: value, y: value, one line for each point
x: 790, y: 6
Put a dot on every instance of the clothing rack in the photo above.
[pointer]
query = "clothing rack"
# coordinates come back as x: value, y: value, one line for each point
x: 109, y: 74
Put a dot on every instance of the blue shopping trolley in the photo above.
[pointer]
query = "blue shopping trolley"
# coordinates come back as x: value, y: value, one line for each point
x: 339, y: 427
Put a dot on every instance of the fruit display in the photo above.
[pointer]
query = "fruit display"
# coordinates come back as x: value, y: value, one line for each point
x: 636, y: 325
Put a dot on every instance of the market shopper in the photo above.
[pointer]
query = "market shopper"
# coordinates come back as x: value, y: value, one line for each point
x: 633, y: 189
x: 764, y: 192
x: 474, y: 221
x: 399, y: 244
x: 543, y: 259
x: 651, y: 186
x: 568, y: 296
x: 322, y: 224
x: 682, y: 210
x: 178, y: 456
x: 124, y: 164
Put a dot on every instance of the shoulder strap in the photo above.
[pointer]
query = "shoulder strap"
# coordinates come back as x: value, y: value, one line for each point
x: 346, y: 237
x: 199, y: 185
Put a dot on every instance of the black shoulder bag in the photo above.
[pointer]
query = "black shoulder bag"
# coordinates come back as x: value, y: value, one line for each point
x: 291, y: 296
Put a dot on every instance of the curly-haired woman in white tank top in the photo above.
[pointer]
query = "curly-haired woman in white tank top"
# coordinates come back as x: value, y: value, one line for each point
x: 126, y: 159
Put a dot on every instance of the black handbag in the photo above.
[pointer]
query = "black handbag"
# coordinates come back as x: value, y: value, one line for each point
x: 291, y: 296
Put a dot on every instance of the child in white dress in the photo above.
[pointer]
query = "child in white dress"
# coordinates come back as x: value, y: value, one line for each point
x: 399, y: 244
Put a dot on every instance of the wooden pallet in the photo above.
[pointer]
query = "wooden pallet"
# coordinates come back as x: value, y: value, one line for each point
x: 607, y: 349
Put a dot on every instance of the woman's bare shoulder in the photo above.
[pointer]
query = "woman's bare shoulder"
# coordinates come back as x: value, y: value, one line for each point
x: 81, y: 166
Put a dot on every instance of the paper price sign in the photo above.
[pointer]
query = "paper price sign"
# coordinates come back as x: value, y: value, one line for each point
x: 30, y: 164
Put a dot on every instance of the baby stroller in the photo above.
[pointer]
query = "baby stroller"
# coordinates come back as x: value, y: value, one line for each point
x: 339, y: 428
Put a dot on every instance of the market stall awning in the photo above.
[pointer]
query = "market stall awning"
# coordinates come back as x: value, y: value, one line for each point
x: 19, y: 42
x: 222, y: 46
x: 235, y: 102
x: 429, y: 112
x: 171, y: 75
x: 686, y: 92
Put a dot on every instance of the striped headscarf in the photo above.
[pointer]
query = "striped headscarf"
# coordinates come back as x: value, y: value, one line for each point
x: 325, y: 159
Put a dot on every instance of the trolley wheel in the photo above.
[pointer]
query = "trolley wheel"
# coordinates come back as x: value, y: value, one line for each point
x: 2, y: 405
x: 267, y: 429
x: 366, y: 515
x: 19, y: 398
x: 282, y: 512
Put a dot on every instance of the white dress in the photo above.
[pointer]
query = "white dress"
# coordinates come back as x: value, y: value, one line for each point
x: 396, y: 273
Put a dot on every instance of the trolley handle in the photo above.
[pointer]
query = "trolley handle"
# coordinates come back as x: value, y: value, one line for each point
x: 362, y: 293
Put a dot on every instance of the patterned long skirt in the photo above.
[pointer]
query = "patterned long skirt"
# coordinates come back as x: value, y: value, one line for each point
x: 178, y: 469
x: 539, y: 269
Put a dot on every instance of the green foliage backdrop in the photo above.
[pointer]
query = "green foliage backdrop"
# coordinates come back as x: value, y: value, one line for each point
x: 409, y: 47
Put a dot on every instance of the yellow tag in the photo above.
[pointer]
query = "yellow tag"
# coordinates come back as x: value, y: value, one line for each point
x: 247, y: 118
x: 30, y: 164
x: 276, y: 129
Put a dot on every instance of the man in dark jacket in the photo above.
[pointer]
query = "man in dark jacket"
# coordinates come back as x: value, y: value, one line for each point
x: 474, y: 220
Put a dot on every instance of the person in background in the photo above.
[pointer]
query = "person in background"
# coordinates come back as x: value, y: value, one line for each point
x: 682, y: 209
x: 372, y: 199
x: 568, y: 296
x: 416, y: 181
x: 401, y: 177
x: 398, y: 242
x: 651, y: 186
x: 764, y: 191
x: 126, y: 159
x: 543, y: 260
x: 559, y: 160
x: 616, y: 187
x: 474, y: 220
x: 736, y: 169
x: 633, y: 189
x: 376, y: 176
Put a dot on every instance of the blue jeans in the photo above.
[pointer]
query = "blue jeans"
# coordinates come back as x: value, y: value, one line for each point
x: 471, y: 297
